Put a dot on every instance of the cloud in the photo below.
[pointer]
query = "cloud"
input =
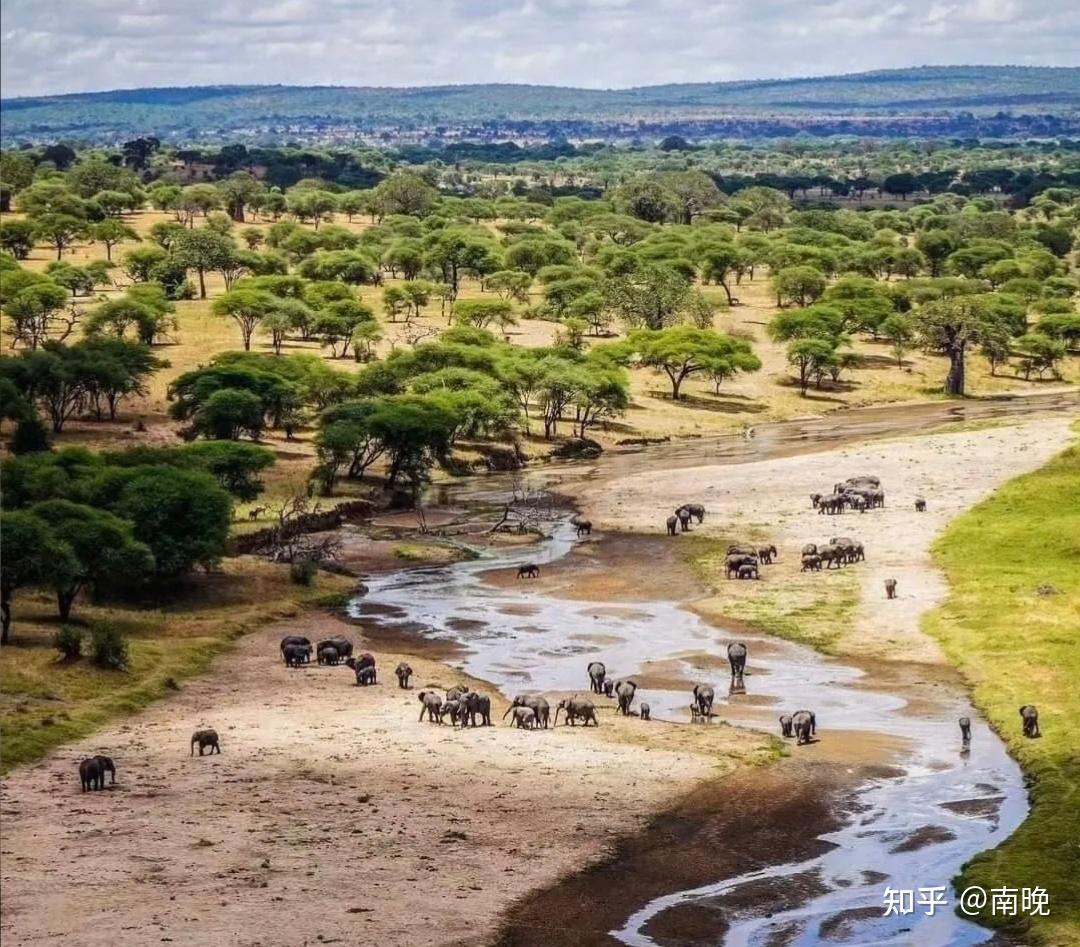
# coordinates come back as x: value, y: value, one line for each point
x: 83, y: 45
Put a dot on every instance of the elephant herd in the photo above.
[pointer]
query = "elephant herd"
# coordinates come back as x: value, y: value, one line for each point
x: 743, y: 560
x: 837, y: 552
x: 682, y: 517
x: 462, y: 705
x: 802, y: 725
x: 855, y: 493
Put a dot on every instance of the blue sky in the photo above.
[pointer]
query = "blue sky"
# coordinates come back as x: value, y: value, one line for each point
x: 82, y: 45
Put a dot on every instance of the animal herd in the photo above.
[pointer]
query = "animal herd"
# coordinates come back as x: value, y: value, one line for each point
x: 682, y: 517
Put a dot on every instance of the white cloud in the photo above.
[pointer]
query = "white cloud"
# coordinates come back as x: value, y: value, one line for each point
x: 74, y: 45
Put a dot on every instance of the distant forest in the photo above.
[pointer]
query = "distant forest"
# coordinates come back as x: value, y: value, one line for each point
x: 953, y: 101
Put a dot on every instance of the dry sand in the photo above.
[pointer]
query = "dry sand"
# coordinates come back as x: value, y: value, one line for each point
x: 769, y: 501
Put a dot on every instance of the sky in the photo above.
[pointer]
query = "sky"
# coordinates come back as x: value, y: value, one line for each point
x: 54, y: 46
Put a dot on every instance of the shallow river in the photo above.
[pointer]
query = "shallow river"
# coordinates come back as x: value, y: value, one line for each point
x: 910, y: 829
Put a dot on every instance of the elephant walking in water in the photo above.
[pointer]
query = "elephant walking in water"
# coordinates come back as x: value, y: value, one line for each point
x: 965, y: 731
x: 704, y: 696
x: 736, y: 654
x: 1030, y: 717
x: 597, y: 673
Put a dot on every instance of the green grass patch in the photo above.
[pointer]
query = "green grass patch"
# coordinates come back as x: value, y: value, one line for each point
x: 812, y: 608
x: 46, y: 701
x: 1012, y: 626
x: 431, y: 553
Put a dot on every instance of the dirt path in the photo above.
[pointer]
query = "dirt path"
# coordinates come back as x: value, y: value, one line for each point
x: 330, y: 816
x: 768, y: 501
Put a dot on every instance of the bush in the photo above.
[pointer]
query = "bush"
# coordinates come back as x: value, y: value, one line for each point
x: 68, y: 641
x: 30, y: 437
x: 302, y: 572
x: 109, y: 648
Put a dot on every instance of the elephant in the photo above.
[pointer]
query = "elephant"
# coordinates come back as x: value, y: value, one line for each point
x: 890, y: 589
x: 296, y: 641
x: 748, y: 570
x: 877, y: 498
x: 576, y: 708
x: 697, y: 511
x: 803, y: 723
x: 296, y: 655
x: 766, y: 554
x: 1030, y: 717
x: 683, y: 513
x: 704, y: 696
x: 858, y: 553
x: 811, y: 563
x: 735, y: 561
x: 403, y: 672
x: 328, y: 654
x: 583, y: 527
x: 831, y: 555
x: 597, y: 673
x: 742, y: 549
x: 920, y: 505
x: 672, y: 525
x: 815, y: 499
x: 473, y: 704
x: 451, y: 709
x: 430, y: 704
x: 810, y: 549
x: 786, y: 726
x: 609, y: 687
x: 833, y: 503
x: 965, y: 731
x: 362, y: 662
x: 365, y: 675
x: 646, y: 711
x: 205, y: 738
x: 457, y: 691
x: 857, y: 502
x: 624, y: 693
x: 528, y: 571
x: 736, y: 655
x: 524, y: 718
x: 539, y: 706
x: 92, y: 772
x: 343, y: 646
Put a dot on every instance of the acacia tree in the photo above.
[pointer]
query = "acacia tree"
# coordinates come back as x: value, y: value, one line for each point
x: 31, y: 554
x: 247, y: 307
x: 682, y: 351
x: 202, y: 250
x: 59, y: 230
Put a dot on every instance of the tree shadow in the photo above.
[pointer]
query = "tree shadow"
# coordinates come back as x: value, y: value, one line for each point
x: 719, y: 404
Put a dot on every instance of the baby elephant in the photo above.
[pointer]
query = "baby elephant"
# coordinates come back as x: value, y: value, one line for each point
x: 920, y: 505
x: 645, y: 711
x: 92, y: 772
x: 528, y: 571
x: 524, y: 718
x: 965, y: 731
x: 205, y: 738
x: 786, y: 726
x: 403, y: 672
x: 1030, y: 717
x: 890, y: 589
x: 431, y: 704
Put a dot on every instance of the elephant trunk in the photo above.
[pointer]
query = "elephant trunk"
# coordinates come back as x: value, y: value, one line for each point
x: 556, y: 723
x: 508, y: 709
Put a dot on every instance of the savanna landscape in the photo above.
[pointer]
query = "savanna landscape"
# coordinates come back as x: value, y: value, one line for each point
x: 575, y: 532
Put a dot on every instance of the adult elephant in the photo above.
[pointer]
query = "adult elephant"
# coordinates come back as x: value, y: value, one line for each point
x: 624, y: 694
x: 597, y: 673
x: 736, y: 655
x: 539, y: 705
x: 430, y: 704
x: 577, y: 708
x: 297, y: 642
x: 831, y: 556
x: 683, y: 513
x: 735, y: 561
x: 697, y: 511
x: 704, y: 695
x: 803, y: 724
x: 473, y: 705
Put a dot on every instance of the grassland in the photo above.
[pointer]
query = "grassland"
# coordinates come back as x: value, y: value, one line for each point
x: 46, y: 701
x: 1012, y: 626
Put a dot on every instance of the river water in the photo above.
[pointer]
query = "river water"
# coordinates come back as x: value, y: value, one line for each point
x: 912, y: 828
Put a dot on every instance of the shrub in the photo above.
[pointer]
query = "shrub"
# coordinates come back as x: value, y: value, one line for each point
x: 109, y: 648
x: 68, y: 641
x: 30, y: 437
x: 302, y: 571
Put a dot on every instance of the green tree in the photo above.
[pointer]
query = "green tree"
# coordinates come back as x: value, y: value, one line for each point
x: 17, y: 237
x: 202, y: 251
x: 950, y: 326
x: 61, y: 231
x: 404, y: 192
x: 483, y: 313
x: 247, y: 308
x: 802, y: 285
x: 228, y: 415
x: 682, y: 351
x: 898, y: 331
x: 31, y: 554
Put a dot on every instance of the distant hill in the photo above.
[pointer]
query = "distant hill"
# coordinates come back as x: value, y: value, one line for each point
x: 1012, y: 100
